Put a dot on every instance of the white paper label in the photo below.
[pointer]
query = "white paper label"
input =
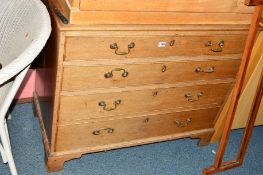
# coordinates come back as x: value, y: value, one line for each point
x: 162, y: 44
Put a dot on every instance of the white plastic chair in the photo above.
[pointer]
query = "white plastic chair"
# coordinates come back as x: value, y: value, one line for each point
x: 24, y: 30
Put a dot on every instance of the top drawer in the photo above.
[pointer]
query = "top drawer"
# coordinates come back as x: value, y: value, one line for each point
x: 155, y: 11
x: 119, y: 47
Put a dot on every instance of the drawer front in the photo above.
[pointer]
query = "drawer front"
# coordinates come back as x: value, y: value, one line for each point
x: 166, y: 5
x: 82, y: 77
x: 104, y: 133
x: 90, y: 48
x: 116, y: 104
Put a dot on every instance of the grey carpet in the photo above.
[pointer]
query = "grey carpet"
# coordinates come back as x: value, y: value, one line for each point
x: 178, y: 157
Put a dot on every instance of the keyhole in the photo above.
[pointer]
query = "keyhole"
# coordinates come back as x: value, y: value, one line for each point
x: 155, y: 93
x: 172, y: 43
x: 164, y: 68
x: 1, y: 66
x: 146, y: 120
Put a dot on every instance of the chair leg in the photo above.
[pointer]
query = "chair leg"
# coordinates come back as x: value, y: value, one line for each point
x: 2, y: 151
x: 7, y: 133
x: 9, y: 116
x: 7, y: 150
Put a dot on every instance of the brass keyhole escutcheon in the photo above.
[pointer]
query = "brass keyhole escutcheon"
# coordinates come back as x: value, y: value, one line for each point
x: 146, y: 120
x: 155, y: 93
x: 164, y: 68
x: 171, y: 43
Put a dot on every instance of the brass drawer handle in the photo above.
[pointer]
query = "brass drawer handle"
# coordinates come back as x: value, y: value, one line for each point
x: 209, y: 69
x: 98, y: 132
x: 104, y: 105
x: 182, y: 124
x: 191, y: 98
x: 110, y: 74
x: 217, y: 48
x: 116, y: 47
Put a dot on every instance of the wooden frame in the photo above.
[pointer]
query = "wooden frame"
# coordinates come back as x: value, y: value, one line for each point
x: 218, y: 164
x: 248, y: 131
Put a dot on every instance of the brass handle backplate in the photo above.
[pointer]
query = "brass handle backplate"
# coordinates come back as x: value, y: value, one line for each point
x: 98, y: 132
x: 116, y: 47
x: 182, y: 124
x: 110, y: 74
x: 215, y: 48
x: 209, y: 69
x: 191, y: 98
x: 104, y: 105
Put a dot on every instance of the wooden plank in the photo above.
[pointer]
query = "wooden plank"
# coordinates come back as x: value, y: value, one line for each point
x: 246, y: 99
x: 54, y: 59
x: 153, y: 28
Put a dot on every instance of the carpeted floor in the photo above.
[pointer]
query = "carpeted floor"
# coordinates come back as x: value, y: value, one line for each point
x: 178, y: 157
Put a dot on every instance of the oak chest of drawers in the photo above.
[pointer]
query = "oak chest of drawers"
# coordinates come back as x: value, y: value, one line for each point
x: 112, y: 83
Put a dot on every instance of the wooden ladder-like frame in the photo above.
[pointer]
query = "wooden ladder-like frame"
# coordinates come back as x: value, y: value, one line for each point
x: 219, y: 165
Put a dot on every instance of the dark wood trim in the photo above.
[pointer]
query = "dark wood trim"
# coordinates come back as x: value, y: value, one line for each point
x: 41, y: 123
x: 23, y: 100
x: 254, y: 2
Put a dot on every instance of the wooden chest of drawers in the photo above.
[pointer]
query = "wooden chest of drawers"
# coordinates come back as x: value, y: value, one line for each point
x: 112, y: 86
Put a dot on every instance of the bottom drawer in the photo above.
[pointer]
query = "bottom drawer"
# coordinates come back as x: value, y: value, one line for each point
x: 90, y: 135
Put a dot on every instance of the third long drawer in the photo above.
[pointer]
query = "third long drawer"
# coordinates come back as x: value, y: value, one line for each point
x: 134, y: 100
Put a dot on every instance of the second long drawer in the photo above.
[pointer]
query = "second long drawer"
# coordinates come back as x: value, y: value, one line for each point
x: 79, y: 77
x: 87, y: 105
